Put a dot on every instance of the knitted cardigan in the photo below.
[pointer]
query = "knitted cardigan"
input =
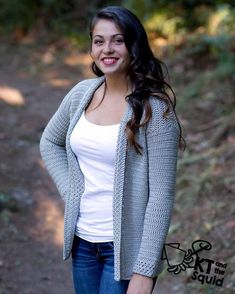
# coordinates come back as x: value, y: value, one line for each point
x: 144, y: 185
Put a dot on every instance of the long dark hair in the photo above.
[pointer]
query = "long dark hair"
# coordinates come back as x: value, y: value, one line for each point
x: 145, y: 71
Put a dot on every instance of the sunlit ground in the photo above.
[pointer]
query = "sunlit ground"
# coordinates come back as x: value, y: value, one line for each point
x: 11, y: 96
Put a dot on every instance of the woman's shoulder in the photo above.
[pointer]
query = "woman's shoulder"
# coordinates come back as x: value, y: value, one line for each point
x: 85, y: 84
x: 75, y: 95
x: 157, y: 104
x: 160, y: 120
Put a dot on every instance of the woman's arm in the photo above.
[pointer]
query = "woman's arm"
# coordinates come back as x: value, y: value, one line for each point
x: 52, y: 146
x: 162, y: 146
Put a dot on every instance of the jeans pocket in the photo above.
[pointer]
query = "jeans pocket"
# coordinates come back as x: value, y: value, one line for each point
x: 110, y: 244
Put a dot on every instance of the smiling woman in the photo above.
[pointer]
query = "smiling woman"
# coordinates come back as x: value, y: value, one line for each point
x: 111, y: 149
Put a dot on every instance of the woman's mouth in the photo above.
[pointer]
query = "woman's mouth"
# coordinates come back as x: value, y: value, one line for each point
x: 109, y: 60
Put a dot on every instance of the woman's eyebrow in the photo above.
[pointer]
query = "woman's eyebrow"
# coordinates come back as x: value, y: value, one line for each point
x: 115, y: 35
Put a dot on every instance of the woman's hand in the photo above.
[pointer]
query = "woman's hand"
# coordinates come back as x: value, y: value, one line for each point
x: 140, y: 284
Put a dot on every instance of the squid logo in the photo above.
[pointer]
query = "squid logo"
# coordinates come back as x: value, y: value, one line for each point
x: 205, y: 270
x: 179, y: 260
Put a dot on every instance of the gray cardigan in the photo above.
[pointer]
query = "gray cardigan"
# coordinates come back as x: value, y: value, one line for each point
x: 144, y: 185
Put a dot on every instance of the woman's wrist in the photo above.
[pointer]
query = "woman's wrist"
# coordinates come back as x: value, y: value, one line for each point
x: 140, y: 284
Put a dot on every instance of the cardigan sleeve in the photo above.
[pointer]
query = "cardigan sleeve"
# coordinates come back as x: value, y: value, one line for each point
x: 162, y: 146
x: 52, y: 146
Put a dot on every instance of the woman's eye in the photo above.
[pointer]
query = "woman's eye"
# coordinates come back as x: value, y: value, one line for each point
x: 118, y: 41
x: 98, y: 42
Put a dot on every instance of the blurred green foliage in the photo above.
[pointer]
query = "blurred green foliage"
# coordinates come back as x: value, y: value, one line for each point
x: 164, y: 17
x: 174, y: 22
x: 193, y: 13
x: 15, y: 14
x: 55, y: 15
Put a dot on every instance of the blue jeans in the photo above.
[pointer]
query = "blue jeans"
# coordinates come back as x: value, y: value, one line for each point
x: 93, y: 268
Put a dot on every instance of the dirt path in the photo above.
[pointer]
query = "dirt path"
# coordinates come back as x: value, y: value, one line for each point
x: 31, y: 227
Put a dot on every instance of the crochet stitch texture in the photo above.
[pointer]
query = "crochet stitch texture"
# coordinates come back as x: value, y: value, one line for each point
x: 144, y: 185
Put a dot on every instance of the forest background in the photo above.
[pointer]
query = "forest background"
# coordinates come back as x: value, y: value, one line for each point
x: 44, y: 51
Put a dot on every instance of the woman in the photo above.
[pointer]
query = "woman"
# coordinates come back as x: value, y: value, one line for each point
x: 111, y: 149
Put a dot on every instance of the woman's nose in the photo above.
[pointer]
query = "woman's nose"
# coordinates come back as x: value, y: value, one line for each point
x: 108, y: 48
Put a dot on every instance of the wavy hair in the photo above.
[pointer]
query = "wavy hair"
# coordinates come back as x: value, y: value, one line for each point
x: 145, y: 71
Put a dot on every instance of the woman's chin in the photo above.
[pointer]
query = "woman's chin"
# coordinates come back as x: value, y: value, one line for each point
x: 113, y: 74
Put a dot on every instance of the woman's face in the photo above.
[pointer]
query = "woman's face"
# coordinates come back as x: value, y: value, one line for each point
x: 108, y: 49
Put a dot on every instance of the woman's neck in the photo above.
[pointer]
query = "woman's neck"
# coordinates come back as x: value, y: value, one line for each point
x: 118, y: 85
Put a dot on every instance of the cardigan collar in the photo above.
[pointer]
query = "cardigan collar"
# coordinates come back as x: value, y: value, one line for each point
x: 87, y: 96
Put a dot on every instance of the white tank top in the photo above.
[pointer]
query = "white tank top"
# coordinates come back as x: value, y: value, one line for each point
x: 95, y: 148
